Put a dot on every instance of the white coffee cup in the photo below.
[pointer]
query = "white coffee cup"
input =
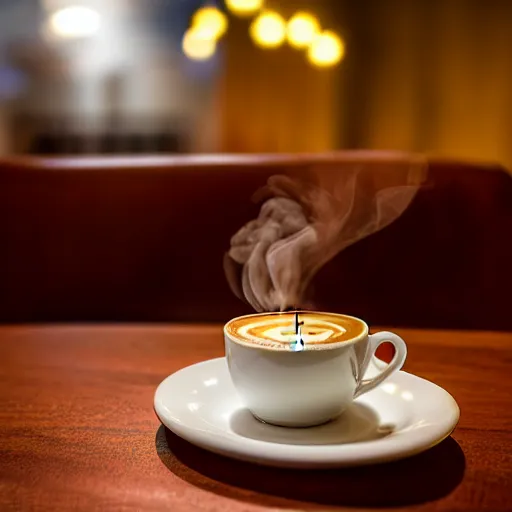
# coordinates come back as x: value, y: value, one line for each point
x: 310, y: 387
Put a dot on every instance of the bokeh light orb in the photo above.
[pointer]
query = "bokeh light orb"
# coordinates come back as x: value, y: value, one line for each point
x: 244, y: 7
x: 74, y: 22
x: 197, y: 47
x: 302, y: 28
x: 268, y: 30
x: 327, y: 49
x: 210, y: 22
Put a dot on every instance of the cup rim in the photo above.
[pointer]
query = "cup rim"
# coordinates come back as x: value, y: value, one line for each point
x: 308, y: 348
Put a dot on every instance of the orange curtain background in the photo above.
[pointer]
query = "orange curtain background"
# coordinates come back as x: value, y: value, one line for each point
x: 434, y: 77
x: 273, y: 100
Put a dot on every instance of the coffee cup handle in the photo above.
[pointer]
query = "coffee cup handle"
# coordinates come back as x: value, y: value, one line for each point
x: 374, y: 340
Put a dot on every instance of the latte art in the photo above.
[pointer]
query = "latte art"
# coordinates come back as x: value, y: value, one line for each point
x: 277, y: 330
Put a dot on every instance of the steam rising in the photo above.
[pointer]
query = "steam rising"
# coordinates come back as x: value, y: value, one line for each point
x: 303, y: 223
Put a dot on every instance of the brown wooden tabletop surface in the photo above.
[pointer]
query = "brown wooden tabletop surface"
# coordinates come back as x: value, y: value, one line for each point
x: 78, y: 430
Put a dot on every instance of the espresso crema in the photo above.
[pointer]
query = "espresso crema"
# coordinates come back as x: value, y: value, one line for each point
x: 277, y: 331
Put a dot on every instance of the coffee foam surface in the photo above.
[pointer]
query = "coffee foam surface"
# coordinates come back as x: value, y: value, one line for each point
x: 277, y: 330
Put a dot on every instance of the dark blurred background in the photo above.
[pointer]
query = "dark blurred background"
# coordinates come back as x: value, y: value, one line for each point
x: 287, y: 81
x: 163, y: 76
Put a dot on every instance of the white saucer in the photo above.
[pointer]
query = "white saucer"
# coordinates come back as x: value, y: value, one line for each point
x: 404, y: 416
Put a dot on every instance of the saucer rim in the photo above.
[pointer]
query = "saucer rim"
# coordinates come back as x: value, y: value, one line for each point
x: 310, y: 456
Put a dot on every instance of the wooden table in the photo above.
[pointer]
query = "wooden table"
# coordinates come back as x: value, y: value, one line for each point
x: 78, y: 430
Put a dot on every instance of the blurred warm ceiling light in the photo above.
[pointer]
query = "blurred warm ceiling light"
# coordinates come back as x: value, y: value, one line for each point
x: 327, y: 49
x: 197, y: 47
x: 302, y: 29
x: 75, y: 21
x: 268, y: 30
x: 244, y: 7
x: 210, y: 22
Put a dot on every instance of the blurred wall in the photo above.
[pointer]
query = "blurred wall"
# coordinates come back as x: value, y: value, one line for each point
x: 130, y: 79
x: 273, y: 100
x: 432, y: 76
x: 5, y: 142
